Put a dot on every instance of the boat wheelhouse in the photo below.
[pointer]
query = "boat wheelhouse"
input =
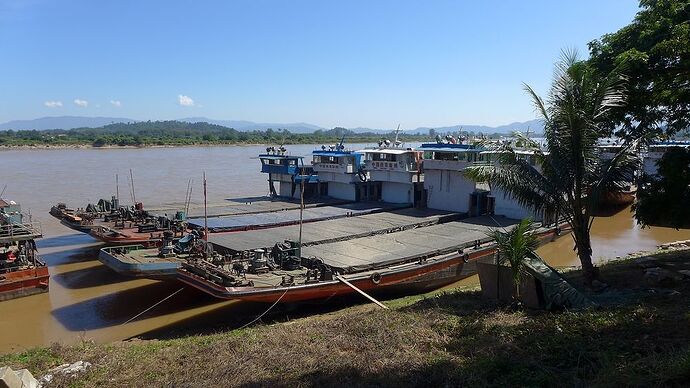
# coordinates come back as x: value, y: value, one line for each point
x: 289, y: 171
x: 395, y: 175
x: 445, y: 185
x: 340, y: 172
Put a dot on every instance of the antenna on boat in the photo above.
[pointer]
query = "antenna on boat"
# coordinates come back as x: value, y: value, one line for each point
x: 131, y: 179
x: 117, y: 188
x: 397, y: 131
x: 188, y: 197
x: 301, y: 207
x: 205, y: 213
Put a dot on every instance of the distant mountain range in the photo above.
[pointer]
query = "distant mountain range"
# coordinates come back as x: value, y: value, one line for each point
x: 70, y: 122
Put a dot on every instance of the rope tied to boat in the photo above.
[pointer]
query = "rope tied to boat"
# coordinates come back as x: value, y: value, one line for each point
x: 266, y: 312
x: 148, y: 309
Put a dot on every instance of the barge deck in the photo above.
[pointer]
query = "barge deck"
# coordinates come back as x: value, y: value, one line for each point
x: 290, y: 217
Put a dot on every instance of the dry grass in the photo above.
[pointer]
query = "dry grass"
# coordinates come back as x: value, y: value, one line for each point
x: 639, y: 337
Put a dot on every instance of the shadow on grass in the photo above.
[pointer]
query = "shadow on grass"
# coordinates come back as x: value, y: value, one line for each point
x: 492, y: 345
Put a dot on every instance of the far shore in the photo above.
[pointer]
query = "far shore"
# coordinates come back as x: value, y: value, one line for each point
x: 116, y: 147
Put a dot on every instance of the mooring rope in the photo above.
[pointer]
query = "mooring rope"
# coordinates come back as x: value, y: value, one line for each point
x: 266, y: 312
x: 161, y: 301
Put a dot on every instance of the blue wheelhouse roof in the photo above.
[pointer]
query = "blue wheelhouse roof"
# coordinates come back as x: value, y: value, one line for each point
x: 278, y: 157
x: 333, y: 153
x: 443, y: 147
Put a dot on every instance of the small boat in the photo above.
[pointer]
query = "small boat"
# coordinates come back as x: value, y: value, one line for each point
x: 160, y: 263
x: 617, y: 198
x: 22, y: 272
x: 83, y: 220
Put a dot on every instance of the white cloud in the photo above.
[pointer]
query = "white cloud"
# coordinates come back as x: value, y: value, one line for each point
x: 81, y: 103
x: 116, y: 103
x: 185, y: 100
x: 53, y: 104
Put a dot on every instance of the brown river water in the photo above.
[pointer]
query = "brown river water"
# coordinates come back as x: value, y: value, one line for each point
x: 89, y: 301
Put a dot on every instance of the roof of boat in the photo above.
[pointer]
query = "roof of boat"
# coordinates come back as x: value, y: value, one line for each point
x: 671, y: 143
x: 442, y: 147
x: 394, y: 151
x: 333, y: 153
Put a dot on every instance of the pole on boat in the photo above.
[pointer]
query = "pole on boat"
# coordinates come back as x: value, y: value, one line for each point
x: 301, y: 206
x: 117, y: 188
x: 371, y: 298
x: 131, y: 178
x: 205, y: 213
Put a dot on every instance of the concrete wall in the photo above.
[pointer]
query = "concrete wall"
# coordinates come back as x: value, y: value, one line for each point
x: 345, y: 191
x: 448, y: 190
x: 393, y: 192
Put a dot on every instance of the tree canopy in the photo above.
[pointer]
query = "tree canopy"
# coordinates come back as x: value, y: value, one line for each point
x: 569, y: 175
x: 655, y: 51
x: 665, y: 199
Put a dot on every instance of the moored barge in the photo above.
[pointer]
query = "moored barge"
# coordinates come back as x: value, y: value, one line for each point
x: 22, y: 272
x: 414, y: 260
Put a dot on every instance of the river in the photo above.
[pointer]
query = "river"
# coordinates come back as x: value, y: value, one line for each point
x: 89, y: 301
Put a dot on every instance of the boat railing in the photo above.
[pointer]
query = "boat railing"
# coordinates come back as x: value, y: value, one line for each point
x: 17, y: 230
x: 124, y: 249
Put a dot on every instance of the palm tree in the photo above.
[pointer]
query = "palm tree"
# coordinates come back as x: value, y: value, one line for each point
x: 569, y: 174
x: 513, y: 246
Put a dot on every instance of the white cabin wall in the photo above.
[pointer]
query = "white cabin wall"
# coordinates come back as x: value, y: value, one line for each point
x: 448, y: 190
x: 506, y: 206
x: 344, y: 191
x: 286, y: 188
x: 393, y: 192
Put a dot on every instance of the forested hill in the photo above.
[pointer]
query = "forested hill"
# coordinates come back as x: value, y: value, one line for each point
x: 151, y: 133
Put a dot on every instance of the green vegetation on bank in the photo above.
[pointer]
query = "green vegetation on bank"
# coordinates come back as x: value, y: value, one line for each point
x: 638, y: 337
x: 160, y: 133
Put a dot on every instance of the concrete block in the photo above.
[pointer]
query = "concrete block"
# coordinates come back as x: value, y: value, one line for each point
x: 28, y: 380
x: 9, y: 379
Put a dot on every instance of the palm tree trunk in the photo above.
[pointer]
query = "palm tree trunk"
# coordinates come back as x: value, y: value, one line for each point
x: 583, y: 245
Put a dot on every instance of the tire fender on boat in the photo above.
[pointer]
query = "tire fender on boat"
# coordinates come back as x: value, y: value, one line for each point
x: 375, y: 278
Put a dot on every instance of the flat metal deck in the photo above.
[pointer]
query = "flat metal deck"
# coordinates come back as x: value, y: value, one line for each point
x: 315, y: 232
x: 381, y: 250
x: 246, y: 205
x: 286, y: 217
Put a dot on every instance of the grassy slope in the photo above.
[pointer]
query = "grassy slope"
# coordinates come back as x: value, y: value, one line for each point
x: 639, y: 337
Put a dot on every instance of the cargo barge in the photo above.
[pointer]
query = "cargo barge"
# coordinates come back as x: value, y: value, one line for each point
x: 22, y: 272
x: 414, y: 260
x: 143, y: 261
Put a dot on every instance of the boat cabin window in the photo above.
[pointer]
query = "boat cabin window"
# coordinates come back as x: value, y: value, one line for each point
x: 383, y: 157
x: 329, y: 159
x: 449, y: 156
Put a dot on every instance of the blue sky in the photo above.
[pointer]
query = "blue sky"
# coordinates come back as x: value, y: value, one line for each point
x: 346, y: 63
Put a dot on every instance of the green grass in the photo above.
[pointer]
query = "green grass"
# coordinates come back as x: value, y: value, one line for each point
x: 640, y: 336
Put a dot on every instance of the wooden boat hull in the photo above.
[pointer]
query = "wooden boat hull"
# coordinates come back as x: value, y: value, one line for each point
x: 24, y: 283
x: 617, y: 198
x: 76, y: 226
x: 126, y: 237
